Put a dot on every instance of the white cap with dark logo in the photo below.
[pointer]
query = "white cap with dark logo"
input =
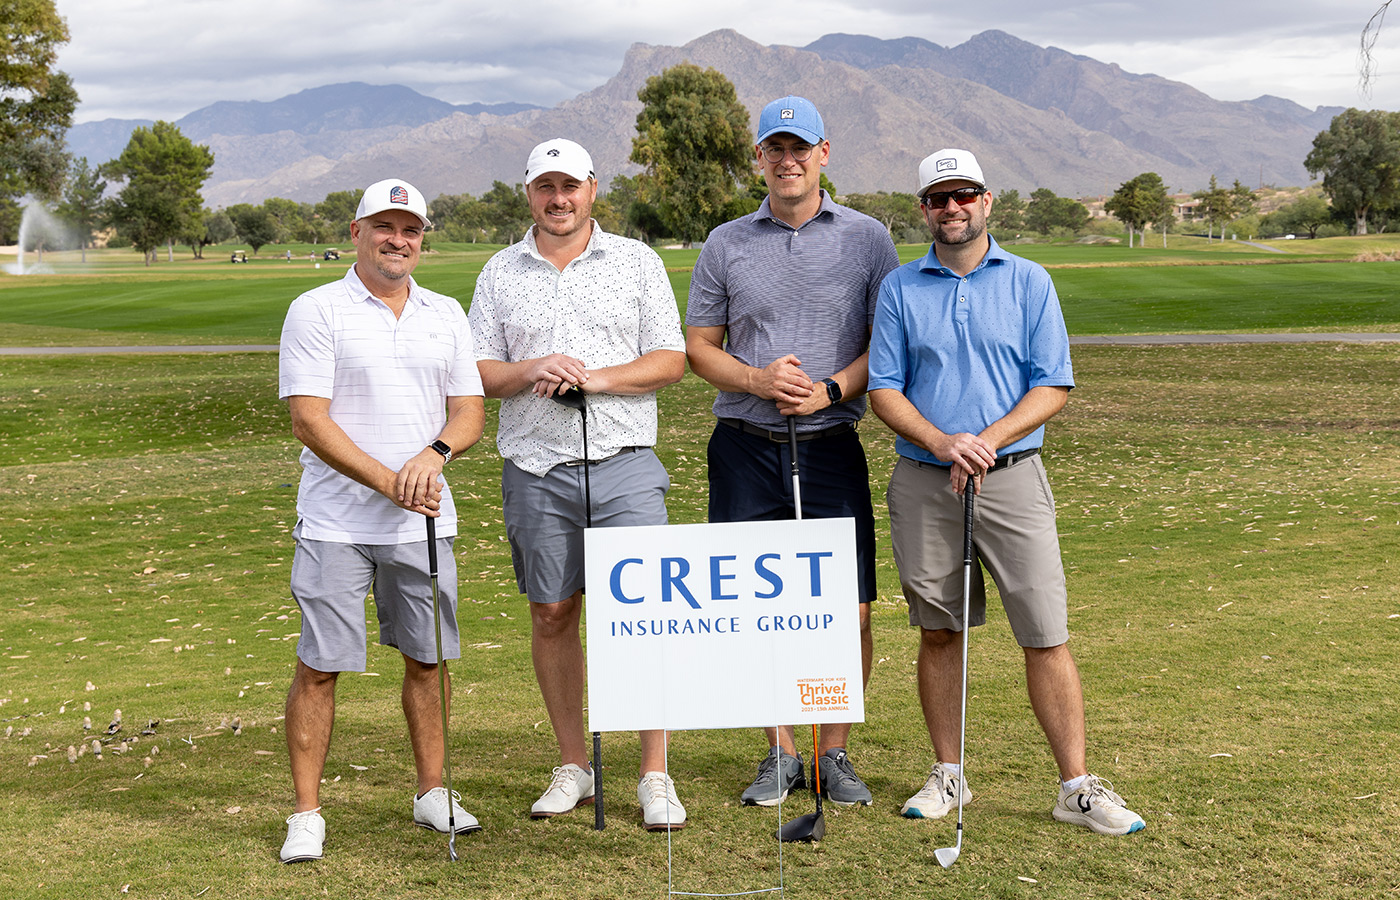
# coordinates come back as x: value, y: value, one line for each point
x: 393, y: 193
x: 949, y: 165
x: 559, y: 155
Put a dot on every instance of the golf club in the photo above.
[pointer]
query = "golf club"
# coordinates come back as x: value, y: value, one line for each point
x: 574, y: 398
x: 442, y: 688
x: 946, y: 856
x: 812, y: 826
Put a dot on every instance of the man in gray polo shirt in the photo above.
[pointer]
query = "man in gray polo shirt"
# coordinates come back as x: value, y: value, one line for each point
x: 571, y: 306
x: 779, y: 317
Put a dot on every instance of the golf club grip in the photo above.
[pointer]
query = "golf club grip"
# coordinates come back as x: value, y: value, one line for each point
x: 969, y: 492
x: 432, y: 546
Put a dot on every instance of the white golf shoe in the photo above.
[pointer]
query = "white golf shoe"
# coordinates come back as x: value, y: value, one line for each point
x: 571, y: 787
x: 306, y: 835
x: 430, y: 811
x: 661, y: 810
x: 1095, y: 806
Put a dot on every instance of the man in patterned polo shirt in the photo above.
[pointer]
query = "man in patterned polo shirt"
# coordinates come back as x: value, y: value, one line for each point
x: 572, y: 306
x: 779, y: 317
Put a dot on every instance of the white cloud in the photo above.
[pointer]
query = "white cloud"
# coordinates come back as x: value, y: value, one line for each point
x: 131, y: 60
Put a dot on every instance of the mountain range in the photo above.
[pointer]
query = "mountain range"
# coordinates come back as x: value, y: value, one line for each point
x: 1035, y: 116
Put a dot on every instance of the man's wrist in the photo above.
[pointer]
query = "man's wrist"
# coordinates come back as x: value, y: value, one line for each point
x: 443, y: 448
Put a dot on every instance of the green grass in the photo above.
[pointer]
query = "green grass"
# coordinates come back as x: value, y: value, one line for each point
x: 1230, y: 544
x: 1106, y: 289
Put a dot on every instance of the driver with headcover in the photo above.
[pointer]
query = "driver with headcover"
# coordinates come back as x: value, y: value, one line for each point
x: 573, y: 307
x: 380, y: 377
x: 968, y: 360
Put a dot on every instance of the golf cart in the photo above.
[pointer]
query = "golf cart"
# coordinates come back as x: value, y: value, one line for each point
x: 331, y: 254
x: 238, y: 256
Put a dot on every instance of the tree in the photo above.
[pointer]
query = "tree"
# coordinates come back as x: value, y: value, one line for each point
x: 1369, y: 35
x: 218, y: 227
x: 1138, y: 201
x: 1307, y: 213
x: 82, y: 205
x: 1359, y: 159
x: 36, y: 101
x: 1216, y: 206
x: 1008, y: 213
x: 337, y: 211
x: 693, y: 141
x: 255, y: 226
x: 1048, y: 213
x: 506, y: 212
x: 897, y: 212
x: 163, y: 171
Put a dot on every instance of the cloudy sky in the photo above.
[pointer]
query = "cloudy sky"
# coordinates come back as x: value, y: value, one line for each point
x: 132, y: 59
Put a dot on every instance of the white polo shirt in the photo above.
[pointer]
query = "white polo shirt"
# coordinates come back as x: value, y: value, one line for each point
x: 388, y: 380
x: 608, y: 307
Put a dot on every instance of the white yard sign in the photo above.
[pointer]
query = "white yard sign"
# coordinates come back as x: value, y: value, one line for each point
x: 723, y: 626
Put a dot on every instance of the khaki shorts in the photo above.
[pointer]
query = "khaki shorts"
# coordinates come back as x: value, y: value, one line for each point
x: 1013, y: 536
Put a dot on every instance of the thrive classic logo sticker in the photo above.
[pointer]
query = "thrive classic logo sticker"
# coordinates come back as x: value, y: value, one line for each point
x: 823, y: 693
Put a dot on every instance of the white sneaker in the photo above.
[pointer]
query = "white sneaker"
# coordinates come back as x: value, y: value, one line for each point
x: 570, y: 788
x: 938, y: 797
x: 306, y: 834
x: 1095, y: 806
x: 430, y: 811
x: 661, y: 810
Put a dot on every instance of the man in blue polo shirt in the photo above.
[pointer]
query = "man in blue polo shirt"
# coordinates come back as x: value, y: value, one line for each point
x: 779, y: 316
x: 969, y: 359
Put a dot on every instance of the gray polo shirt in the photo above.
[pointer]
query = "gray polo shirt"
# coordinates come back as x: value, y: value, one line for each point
x: 808, y: 291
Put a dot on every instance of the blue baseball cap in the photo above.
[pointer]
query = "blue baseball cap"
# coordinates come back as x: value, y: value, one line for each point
x: 794, y: 115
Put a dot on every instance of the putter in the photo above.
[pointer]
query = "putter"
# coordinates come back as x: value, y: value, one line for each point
x: 574, y: 398
x: 946, y: 856
x: 812, y: 826
x: 442, y: 688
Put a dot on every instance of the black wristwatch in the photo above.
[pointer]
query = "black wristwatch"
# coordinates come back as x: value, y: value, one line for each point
x: 833, y: 390
x: 444, y: 449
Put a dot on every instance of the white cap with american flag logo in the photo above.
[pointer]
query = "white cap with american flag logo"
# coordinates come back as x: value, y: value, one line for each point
x: 393, y: 193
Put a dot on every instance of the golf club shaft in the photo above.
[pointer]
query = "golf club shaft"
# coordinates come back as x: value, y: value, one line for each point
x: 442, y: 686
x: 599, y: 820
x: 969, y: 495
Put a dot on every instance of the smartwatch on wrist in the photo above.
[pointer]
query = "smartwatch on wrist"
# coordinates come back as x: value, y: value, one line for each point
x: 833, y: 390
x: 446, y: 451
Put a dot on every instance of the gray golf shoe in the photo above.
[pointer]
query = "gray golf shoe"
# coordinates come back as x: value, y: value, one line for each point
x: 840, y: 783
x: 779, y: 774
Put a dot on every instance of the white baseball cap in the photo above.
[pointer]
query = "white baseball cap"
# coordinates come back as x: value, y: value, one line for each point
x: 949, y: 165
x: 559, y: 155
x: 393, y: 193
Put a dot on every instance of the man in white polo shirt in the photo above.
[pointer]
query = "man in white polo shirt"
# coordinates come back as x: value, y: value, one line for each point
x: 573, y: 306
x: 380, y: 378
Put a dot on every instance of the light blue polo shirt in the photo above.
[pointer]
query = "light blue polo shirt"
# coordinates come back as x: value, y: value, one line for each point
x: 965, y: 350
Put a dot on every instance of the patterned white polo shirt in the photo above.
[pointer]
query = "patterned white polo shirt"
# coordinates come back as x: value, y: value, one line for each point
x: 608, y: 307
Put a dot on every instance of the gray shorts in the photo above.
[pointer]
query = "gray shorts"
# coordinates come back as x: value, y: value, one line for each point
x: 330, y: 581
x: 545, y: 516
x: 1013, y: 535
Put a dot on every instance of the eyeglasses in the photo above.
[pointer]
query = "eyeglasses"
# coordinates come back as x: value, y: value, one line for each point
x: 800, y: 152
x: 962, y: 197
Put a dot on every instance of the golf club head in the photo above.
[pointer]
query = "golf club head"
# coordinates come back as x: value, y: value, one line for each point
x: 572, y: 398
x: 452, y: 846
x: 946, y: 856
x: 804, y: 829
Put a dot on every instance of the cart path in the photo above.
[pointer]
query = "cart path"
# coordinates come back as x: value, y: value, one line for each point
x: 1121, y: 340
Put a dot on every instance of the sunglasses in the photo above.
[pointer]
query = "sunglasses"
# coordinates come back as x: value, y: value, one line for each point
x: 962, y: 197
